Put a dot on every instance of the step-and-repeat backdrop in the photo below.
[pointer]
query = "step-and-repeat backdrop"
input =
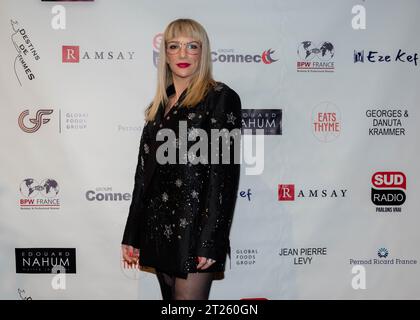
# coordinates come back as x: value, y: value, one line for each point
x: 329, y: 213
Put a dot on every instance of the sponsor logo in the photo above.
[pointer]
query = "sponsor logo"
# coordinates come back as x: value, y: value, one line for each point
x: 229, y: 56
x: 36, y: 122
x: 43, y: 260
x: 376, y: 57
x: 269, y: 121
x: 314, y: 57
x: 40, y: 196
x: 73, y: 54
x: 388, y: 191
x: 326, y: 122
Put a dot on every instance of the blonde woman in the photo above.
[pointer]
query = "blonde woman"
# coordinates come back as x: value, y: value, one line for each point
x: 180, y: 215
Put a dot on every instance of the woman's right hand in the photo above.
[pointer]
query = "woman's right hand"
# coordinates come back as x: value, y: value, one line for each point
x: 130, y: 254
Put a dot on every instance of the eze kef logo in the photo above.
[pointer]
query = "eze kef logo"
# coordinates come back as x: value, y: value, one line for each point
x: 388, y: 188
x: 375, y: 56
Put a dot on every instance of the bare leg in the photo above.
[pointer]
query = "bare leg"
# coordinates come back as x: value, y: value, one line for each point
x: 195, y: 287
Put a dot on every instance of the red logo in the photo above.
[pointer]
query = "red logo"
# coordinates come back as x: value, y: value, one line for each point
x: 391, y: 179
x: 70, y: 54
x: 286, y: 192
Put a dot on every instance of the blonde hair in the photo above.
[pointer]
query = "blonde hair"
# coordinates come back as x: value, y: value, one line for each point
x: 201, y: 82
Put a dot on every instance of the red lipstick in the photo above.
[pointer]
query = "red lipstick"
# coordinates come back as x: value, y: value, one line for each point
x: 183, y: 65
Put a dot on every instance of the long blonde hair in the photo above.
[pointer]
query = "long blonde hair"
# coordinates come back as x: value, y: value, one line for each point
x: 203, y: 78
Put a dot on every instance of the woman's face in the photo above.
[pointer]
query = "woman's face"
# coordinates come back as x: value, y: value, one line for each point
x: 183, y: 55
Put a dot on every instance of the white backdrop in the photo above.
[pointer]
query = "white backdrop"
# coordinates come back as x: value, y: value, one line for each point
x: 54, y: 180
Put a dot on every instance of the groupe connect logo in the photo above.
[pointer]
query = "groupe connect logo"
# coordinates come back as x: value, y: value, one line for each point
x: 229, y: 56
x: 223, y: 55
x: 388, y: 190
x: 314, y: 57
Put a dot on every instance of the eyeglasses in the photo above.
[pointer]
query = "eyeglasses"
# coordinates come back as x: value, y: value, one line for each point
x: 174, y: 47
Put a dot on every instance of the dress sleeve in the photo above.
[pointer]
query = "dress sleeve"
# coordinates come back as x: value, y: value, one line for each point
x: 132, y: 228
x: 216, y: 218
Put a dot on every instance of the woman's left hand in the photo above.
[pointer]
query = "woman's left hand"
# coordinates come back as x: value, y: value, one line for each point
x: 204, y: 263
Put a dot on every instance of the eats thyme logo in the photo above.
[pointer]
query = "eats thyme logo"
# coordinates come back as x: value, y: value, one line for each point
x: 388, y: 191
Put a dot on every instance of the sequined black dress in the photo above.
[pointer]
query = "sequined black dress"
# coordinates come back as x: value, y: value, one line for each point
x: 183, y: 210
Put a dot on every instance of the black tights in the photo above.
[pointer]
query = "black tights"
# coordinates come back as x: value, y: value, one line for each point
x: 195, y: 287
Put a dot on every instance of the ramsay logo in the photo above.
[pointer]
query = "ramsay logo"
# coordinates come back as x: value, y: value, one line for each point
x: 286, y: 192
x: 70, y: 54
x: 388, y: 189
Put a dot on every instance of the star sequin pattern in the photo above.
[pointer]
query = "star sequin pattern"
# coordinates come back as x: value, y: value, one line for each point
x: 231, y: 118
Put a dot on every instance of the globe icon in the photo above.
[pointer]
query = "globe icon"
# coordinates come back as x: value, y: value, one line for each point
x: 28, y: 187
x: 50, y: 188
x: 306, y: 50
x: 326, y: 51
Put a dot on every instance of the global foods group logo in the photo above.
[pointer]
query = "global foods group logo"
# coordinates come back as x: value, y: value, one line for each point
x: 388, y: 191
x: 314, y: 57
x: 35, y: 123
x: 40, y: 196
x: 67, y: 121
x: 245, y: 257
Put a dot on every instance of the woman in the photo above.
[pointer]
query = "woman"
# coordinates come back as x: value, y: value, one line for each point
x: 181, y: 213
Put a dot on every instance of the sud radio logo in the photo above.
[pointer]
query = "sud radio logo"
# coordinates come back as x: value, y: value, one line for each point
x: 35, y: 195
x: 388, y: 191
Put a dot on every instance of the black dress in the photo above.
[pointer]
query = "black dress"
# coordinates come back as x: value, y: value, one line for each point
x: 183, y: 210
